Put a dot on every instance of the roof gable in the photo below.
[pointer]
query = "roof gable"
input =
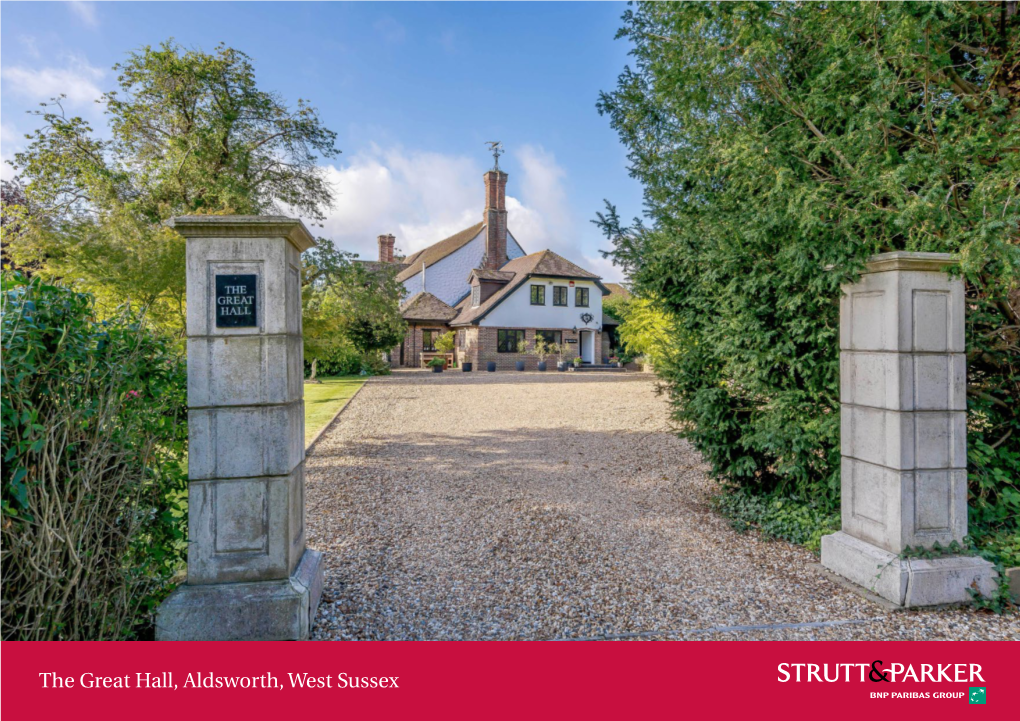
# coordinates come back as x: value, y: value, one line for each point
x: 544, y: 263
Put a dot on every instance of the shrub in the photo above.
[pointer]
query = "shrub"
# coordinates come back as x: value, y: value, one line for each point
x: 775, y: 160
x: 446, y: 342
x: 373, y: 364
x: 796, y: 520
x: 339, y: 359
x: 94, y: 436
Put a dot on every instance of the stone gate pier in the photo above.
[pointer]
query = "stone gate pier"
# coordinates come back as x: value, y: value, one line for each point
x: 250, y: 576
x: 903, y: 387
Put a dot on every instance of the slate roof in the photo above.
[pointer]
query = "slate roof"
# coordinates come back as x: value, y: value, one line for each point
x: 437, y: 251
x: 544, y: 263
x: 425, y: 306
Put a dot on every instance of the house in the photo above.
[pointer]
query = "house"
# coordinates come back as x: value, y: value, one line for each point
x: 481, y: 284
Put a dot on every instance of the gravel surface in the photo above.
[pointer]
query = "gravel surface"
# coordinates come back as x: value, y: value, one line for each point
x: 556, y: 505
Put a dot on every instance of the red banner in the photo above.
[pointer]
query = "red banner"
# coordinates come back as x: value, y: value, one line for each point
x: 508, y: 680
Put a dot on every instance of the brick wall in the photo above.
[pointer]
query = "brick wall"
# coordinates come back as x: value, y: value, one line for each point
x: 480, y: 348
x: 413, y: 344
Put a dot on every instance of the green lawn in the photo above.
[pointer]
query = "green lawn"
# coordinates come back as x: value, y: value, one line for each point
x: 323, y: 400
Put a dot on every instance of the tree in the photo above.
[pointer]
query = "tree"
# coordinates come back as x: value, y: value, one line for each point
x: 781, y: 144
x: 347, y: 303
x: 13, y: 208
x: 647, y: 330
x: 191, y: 133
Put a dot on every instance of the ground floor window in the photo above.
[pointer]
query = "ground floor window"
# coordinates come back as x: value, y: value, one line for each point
x: 550, y: 336
x: 428, y: 339
x: 507, y: 341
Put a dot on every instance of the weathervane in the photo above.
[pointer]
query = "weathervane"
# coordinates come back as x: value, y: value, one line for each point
x: 496, y: 148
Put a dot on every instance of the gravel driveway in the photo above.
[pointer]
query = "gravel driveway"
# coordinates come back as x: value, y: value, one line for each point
x: 556, y: 505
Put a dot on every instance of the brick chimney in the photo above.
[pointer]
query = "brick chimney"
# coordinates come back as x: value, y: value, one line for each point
x: 386, y: 248
x: 495, y: 220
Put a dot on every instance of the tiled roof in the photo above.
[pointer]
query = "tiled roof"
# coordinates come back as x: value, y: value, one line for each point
x: 425, y: 306
x: 618, y: 290
x: 544, y: 263
x: 551, y: 264
x: 437, y: 251
x: 486, y: 274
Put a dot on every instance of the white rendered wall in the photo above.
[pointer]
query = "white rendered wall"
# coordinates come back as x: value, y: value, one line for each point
x: 447, y: 279
x: 516, y: 311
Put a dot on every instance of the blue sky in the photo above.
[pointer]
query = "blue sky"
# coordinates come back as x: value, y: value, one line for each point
x: 411, y: 89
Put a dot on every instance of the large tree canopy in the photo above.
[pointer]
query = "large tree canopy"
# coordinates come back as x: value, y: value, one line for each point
x: 190, y: 132
x: 781, y: 144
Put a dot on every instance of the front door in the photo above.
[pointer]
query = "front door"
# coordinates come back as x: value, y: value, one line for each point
x: 587, y: 343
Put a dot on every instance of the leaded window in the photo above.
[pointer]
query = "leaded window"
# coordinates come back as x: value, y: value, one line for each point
x: 550, y: 336
x: 507, y: 341
x: 538, y: 295
x: 428, y: 339
x: 581, y: 298
x: 560, y: 295
x: 476, y: 296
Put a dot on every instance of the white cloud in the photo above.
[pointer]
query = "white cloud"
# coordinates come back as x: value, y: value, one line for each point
x: 85, y: 11
x: 77, y: 79
x: 423, y: 197
x: 543, y: 218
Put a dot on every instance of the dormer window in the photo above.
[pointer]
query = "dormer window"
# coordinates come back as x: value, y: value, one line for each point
x: 476, y: 296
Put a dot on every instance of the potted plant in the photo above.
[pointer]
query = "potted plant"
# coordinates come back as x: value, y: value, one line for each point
x: 578, y: 361
x: 466, y: 367
x: 557, y: 350
x: 613, y: 360
x: 522, y: 349
x: 437, y: 364
x: 491, y: 367
x: 541, y: 350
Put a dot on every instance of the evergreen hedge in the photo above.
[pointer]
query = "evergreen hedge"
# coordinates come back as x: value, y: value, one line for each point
x: 780, y: 145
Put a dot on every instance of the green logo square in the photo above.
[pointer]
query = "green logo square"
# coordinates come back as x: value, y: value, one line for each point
x: 977, y: 694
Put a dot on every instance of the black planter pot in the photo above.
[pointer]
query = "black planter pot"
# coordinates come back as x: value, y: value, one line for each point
x: 437, y: 369
x: 465, y: 367
x: 520, y: 365
x: 541, y: 365
x: 491, y: 367
x: 561, y: 366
